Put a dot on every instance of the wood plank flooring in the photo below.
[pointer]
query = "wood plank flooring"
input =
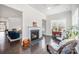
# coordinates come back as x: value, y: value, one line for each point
x: 16, y: 48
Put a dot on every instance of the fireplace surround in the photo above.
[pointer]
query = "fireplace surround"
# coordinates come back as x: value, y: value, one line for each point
x: 34, y: 33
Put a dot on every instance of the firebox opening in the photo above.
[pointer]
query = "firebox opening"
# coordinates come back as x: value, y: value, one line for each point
x: 34, y: 35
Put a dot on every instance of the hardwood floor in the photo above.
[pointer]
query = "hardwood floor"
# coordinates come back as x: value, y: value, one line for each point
x: 11, y: 48
x: 16, y: 48
x: 36, y: 49
x: 7, y: 47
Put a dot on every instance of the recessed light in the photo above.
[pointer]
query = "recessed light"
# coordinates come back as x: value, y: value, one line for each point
x: 49, y: 8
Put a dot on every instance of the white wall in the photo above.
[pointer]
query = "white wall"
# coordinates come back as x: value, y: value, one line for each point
x: 65, y: 16
x: 12, y: 17
x: 75, y: 15
x: 29, y: 15
x: 15, y: 23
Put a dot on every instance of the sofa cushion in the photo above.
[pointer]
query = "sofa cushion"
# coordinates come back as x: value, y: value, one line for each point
x: 13, y: 35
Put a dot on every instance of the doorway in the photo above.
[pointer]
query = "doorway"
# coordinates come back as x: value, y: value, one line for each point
x: 43, y: 27
x: 2, y: 34
x: 2, y: 26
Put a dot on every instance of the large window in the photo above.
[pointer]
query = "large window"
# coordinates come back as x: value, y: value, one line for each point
x: 58, y: 23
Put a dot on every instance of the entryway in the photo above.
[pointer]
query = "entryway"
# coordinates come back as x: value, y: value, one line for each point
x: 2, y: 34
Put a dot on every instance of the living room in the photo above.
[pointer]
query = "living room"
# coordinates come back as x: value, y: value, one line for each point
x: 38, y: 25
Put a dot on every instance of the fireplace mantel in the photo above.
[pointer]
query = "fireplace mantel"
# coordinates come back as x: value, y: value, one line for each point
x: 33, y: 28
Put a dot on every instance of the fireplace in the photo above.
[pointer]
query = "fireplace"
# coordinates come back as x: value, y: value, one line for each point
x: 34, y: 35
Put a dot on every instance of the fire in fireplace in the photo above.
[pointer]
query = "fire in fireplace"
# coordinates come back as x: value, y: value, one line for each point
x: 34, y: 35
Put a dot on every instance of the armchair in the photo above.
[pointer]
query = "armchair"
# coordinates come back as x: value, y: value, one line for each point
x: 63, y: 49
x: 13, y: 36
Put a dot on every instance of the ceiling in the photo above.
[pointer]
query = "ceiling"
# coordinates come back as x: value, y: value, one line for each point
x: 49, y: 9
x: 9, y: 12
